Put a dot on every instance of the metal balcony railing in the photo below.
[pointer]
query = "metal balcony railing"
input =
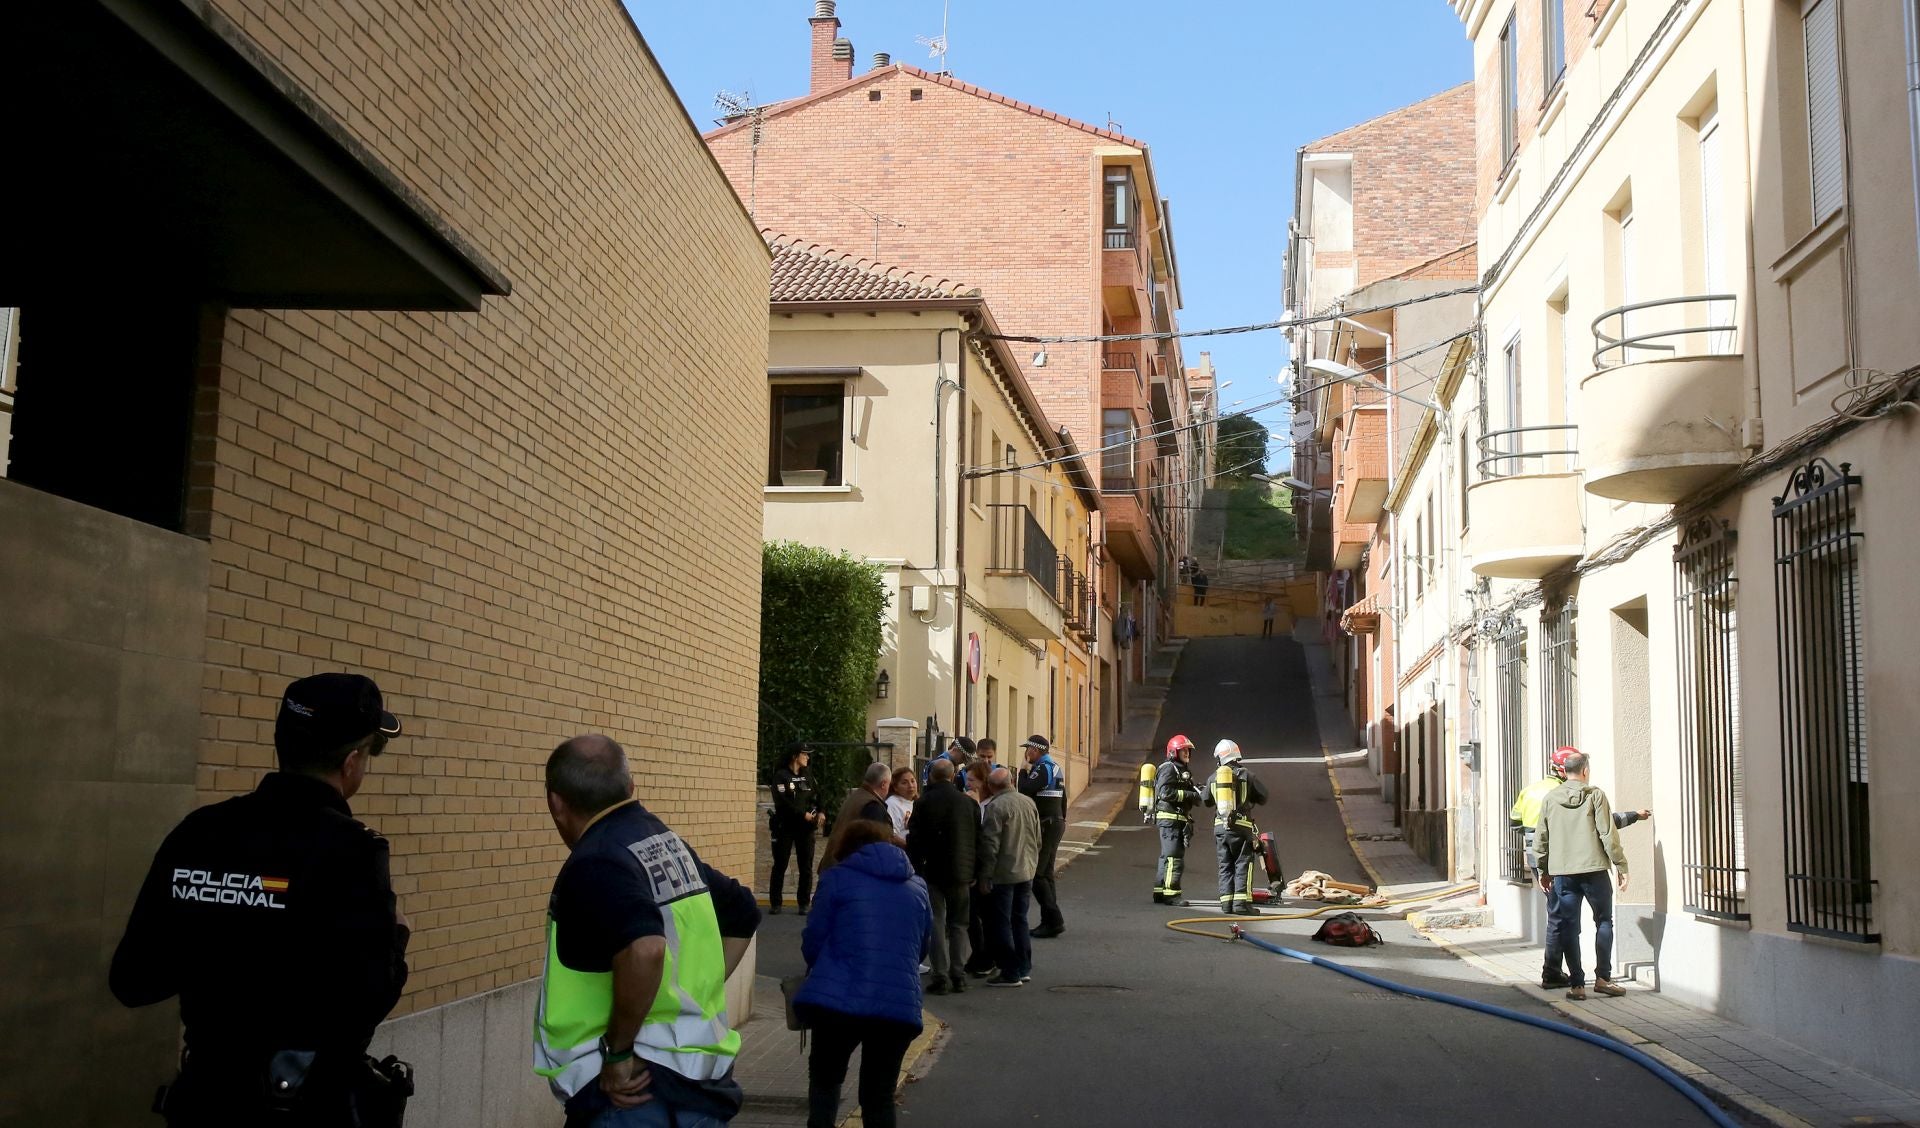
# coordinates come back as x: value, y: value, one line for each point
x: 1068, y: 591
x: 1695, y: 325
x: 1520, y: 451
x: 1119, y: 239
x: 1118, y: 361
x: 1020, y: 545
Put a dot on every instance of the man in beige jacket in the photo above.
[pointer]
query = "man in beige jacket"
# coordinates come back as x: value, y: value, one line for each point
x: 1009, y: 855
x: 1575, y: 843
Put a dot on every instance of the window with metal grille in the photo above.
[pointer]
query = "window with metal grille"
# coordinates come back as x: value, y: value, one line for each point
x: 1559, y: 688
x: 1510, y: 669
x: 1823, y: 713
x: 1712, y: 791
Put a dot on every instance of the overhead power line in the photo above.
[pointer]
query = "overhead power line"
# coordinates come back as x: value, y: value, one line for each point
x: 1284, y: 323
x: 1156, y: 434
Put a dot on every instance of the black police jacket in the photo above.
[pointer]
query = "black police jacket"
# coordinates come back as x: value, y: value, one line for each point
x: 793, y: 801
x: 272, y: 916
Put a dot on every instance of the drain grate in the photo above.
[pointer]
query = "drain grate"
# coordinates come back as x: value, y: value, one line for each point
x: 1381, y: 997
x: 1089, y: 989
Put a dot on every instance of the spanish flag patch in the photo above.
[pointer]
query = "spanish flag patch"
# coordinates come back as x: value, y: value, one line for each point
x: 274, y: 884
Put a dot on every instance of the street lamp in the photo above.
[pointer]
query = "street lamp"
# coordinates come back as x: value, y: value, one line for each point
x: 1340, y: 373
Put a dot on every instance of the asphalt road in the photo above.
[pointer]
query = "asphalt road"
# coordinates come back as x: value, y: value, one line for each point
x: 1127, y: 1022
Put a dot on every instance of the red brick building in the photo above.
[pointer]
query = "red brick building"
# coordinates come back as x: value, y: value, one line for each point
x: 1060, y: 225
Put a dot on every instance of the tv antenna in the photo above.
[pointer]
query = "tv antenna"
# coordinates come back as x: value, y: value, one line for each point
x: 936, y: 45
x: 878, y: 218
x: 1112, y: 125
x: 734, y: 107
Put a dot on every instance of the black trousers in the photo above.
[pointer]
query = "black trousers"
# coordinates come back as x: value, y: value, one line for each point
x: 1174, y: 837
x: 1051, y: 832
x: 882, y: 1044
x: 1239, y: 853
x: 787, y: 842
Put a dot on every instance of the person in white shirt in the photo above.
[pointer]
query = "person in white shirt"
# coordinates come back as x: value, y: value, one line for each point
x: 900, y: 800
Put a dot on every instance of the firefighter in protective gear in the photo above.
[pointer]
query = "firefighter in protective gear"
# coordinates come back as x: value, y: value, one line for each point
x: 1175, y: 793
x: 1235, y: 794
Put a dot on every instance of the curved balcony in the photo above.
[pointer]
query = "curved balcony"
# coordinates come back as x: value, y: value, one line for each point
x: 1661, y: 413
x: 1523, y: 516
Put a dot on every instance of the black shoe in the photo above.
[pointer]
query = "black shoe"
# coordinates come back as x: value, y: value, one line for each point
x: 1163, y: 899
x: 984, y: 972
x: 1047, y: 931
x: 773, y: 910
x: 1553, y: 982
x: 959, y: 985
x: 803, y: 910
x: 939, y: 986
x: 1247, y: 910
x: 1005, y: 981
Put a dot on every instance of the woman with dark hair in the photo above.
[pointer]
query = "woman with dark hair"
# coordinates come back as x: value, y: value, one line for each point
x: 871, y: 926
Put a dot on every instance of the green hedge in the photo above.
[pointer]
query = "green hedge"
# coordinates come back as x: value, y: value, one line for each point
x: 820, y: 630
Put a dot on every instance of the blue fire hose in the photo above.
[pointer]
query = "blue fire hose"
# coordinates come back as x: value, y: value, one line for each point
x: 1680, y: 1084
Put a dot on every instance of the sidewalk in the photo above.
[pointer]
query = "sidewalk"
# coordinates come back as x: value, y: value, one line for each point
x: 1769, y: 1081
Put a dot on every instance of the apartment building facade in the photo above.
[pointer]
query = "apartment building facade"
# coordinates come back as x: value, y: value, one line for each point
x: 885, y: 396
x: 1061, y: 226
x: 404, y: 399
x: 1699, y: 251
x: 1381, y: 215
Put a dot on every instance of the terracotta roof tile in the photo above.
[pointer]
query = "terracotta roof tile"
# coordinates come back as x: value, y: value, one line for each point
x: 810, y: 272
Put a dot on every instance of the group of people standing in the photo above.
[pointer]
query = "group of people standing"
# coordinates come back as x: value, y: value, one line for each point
x: 1168, y: 801
x: 935, y: 880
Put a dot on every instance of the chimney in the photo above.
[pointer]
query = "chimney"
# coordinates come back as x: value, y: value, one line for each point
x: 826, y: 29
x: 842, y: 60
x: 882, y: 60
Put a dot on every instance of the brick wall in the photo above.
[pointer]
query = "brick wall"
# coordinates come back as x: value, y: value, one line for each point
x: 1413, y: 184
x: 1530, y: 81
x: 525, y: 523
x: 989, y: 195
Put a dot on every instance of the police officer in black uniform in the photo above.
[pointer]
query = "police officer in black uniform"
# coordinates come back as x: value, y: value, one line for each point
x: 795, y: 816
x: 1043, y: 783
x: 272, y: 916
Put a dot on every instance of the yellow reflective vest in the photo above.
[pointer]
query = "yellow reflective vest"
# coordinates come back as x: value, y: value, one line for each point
x: 1532, y: 798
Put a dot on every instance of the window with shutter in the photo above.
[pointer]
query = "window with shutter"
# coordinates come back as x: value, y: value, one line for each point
x: 1826, y: 132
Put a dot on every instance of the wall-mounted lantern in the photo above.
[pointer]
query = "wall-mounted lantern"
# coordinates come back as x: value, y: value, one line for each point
x: 880, y: 687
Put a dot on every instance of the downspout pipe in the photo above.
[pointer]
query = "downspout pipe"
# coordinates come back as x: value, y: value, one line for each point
x: 960, y: 720
x: 1911, y: 18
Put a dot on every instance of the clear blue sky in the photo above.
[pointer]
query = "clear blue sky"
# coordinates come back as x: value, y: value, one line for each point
x: 1223, y: 91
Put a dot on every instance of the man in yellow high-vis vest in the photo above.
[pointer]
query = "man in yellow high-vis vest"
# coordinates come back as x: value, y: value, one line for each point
x: 632, y: 1028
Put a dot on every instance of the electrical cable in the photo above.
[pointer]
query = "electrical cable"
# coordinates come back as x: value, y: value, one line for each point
x: 1678, y: 1083
x: 1173, y: 429
x: 1283, y: 323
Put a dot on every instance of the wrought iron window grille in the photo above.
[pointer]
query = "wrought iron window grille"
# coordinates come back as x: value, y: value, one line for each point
x: 1823, y: 715
x: 1712, y: 785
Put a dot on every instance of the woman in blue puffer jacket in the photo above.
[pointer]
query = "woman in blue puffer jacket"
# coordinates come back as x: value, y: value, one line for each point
x: 870, y: 928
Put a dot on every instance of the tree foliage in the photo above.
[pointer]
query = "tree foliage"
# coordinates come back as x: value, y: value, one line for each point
x: 1240, y: 447
x: 821, y: 615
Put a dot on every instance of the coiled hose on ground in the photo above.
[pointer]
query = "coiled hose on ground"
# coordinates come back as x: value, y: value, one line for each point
x: 1680, y: 1084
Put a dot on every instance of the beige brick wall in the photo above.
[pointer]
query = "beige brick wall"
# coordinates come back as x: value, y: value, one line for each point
x: 533, y: 521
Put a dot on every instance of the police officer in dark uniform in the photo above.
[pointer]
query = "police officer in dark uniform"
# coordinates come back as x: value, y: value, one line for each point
x: 795, y: 816
x: 272, y: 916
x: 1043, y: 783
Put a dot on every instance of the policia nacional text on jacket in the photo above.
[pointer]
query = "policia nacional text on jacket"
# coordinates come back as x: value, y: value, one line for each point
x: 271, y: 915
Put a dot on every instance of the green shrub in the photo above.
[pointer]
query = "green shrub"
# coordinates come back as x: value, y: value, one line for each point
x: 820, y: 630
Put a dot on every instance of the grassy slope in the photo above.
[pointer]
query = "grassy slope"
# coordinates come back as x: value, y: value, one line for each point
x: 1259, y: 521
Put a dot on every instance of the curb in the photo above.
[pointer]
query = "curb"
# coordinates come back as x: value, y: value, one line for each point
x: 1340, y: 801
x: 1119, y: 805
x: 1699, y: 1076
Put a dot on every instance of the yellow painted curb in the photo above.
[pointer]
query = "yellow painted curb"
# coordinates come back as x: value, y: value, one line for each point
x: 1339, y: 800
x: 931, y: 1030
x: 1583, y: 1018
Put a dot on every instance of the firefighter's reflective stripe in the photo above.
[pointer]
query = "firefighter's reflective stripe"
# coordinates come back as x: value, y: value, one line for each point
x: 685, y: 1029
x: 1171, y: 816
